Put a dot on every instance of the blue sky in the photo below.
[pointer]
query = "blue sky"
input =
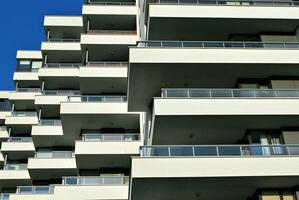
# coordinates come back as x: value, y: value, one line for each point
x: 21, y: 23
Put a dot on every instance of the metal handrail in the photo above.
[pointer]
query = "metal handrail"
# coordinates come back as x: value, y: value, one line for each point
x: 232, y: 2
x: 62, y: 65
x: 91, y: 2
x: 62, y: 40
x: 228, y: 93
x: 50, y: 122
x: 95, y: 180
x: 218, y: 150
x: 109, y: 99
x: 23, y: 114
x: 61, y: 92
x: 218, y: 44
x: 90, y: 137
x: 35, y: 190
x: 19, y: 139
x: 15, y: 167
x: 106, y: 64
x: 54, y: 154
x: 28, y: 89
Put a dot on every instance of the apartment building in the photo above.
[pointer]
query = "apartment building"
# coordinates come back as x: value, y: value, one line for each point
x: 156, y: 99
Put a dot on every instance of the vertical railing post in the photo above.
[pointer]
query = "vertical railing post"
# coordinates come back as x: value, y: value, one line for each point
x: 193, y: 151
x: 88, y: 26
x: 169, y: 151
x: 48, y: 35
x: 217, y: 150
x: 241, y: 151
x: 86, y: 56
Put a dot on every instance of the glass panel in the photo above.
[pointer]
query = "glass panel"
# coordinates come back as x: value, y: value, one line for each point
x: 181, y: 151
x: 193, y: 44
x: 71, y: 180
x: 159, y: 151
x: 199, y: 93
x: 36, y: 65
x: 177, y: 93
x: 286, y: 93
x: 25, y: 190
x: 221, y: 93
x: 113, y: 180
x: 89, y: 181
x: 293, y: 150
x: 41, y: 190
x: 205, y: 151
x: 24, y: 65
x: 229, y: 150
x: 264, y: 93
x: 243, y: 93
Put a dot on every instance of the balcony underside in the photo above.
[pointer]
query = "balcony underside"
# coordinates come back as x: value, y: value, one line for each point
x: 225, y: 188
x: 99, y: 85
x: 50, y: 173
x: 142, y: 87
x: 213, y: 129
x: 187, y: 22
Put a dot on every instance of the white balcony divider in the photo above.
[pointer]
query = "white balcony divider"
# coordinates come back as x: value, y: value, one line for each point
x: 90, y: 137
x: 229, y: 93
x: 218, y: 44
x: 218, y: 150
x: 95, y: 180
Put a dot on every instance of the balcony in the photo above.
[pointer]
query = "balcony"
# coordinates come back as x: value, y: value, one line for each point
x: 96, y: 112
x: 49, y: 101
x: 62, y: 50
x: 166, y: 61
x: 101, y: 77
x: 99, y: 42
x: 52, y: 165
x: 13, y: 175
x: 23, y: 98
x: 60, y: 75
x: 21, y: 121
x: 107, y: 150
x: 33, y: 192
x: 204, y: 168
x: 188, y: 116
x: 99, y: 187
x: 17, y: 148
x: 173, y: 20
x: 3, y: 133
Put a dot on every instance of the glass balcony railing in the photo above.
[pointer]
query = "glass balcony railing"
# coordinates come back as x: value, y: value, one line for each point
x: 54, y: 154
x: 110, y: 137
x: 5, y: 106
x: 219, y: 44
x: 19, y: 139
x: 23, y: 114
x: 15, y: 167
x: 96, y: 180
x: 63, y: 40
x: 106, y: 64
x: 38, y: 190
x: 49, y: 122
x: 4, y: 196
x: 62, y: 65
x: 28, y: 89
x: 232, y: 3
x: 111, y: 32
x: 110, y: 3
x: 220, y: 150
x: 3, y: 128
x: 61, y: 92
x: 109, y: 99
x: 229, y: 93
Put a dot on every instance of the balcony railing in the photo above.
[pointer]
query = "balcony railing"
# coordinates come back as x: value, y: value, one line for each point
x: 3, y: 128
x: 96, y: 180
x: 220, y: 150
x: 62, y: 65
x: 110, y: 137
x: 23, y: 114
x: 19, y: 139
x: 112, y: 32
x: 106, y: 64
x: 219, y: 44
x: 232, y: 3
x: 35, y: 190
x: 229, y: 93
x: 61, y: 92
x: 54, y: 154
x: 15, y: 167
x: 28, y: 89
x: 93, y: 2
x: 49, y: 122
x: 109, y: 99
x: 63, y: 40
x: 4, y: 196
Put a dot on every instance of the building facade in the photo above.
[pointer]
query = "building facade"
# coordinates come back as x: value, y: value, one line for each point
x: 157, y: 99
